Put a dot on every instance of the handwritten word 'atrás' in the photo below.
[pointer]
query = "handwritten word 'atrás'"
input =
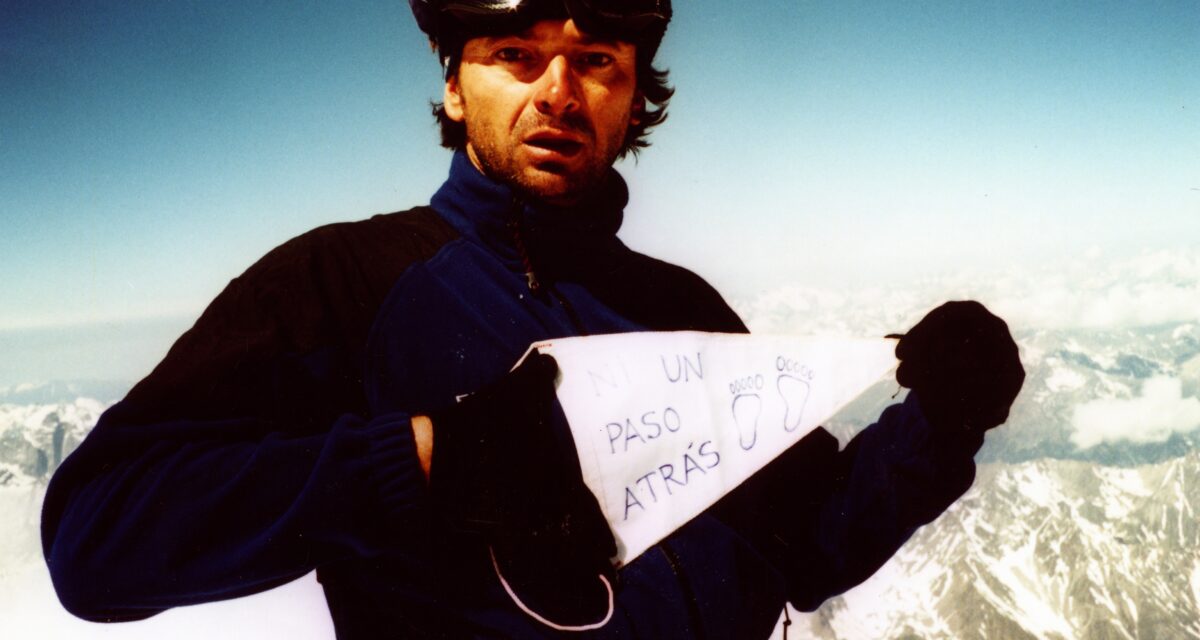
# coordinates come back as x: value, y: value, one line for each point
x: 671, y: 477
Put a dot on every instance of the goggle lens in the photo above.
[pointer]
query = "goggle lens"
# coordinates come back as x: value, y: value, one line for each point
x: 614, y: 17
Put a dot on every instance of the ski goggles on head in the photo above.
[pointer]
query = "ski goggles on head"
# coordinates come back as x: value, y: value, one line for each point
x: 630, y: 19
x: 635, y: 16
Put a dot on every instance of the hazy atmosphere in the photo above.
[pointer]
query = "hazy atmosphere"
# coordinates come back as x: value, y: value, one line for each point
x: 152, y: 151
x: 829, y: 167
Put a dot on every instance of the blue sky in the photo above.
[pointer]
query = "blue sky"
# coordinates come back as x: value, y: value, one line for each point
x: 150, y: 151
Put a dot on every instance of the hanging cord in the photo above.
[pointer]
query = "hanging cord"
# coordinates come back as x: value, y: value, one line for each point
x: 787, y: 620
x: 553, y: 625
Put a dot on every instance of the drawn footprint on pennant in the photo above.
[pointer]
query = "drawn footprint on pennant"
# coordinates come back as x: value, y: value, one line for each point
x: 746, y: 409
x: 794, y: 392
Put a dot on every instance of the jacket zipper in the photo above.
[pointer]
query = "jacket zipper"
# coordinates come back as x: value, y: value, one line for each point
x: 514, y: 225
x: 531, y: 277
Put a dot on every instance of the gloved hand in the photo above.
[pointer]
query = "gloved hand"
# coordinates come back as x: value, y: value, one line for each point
x: 503, y: 470
x: 963, y: 365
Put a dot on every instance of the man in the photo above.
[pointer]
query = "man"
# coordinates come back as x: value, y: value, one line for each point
x: 346, y: 404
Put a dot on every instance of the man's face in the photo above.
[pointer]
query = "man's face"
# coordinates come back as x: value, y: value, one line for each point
x: 546, y: 110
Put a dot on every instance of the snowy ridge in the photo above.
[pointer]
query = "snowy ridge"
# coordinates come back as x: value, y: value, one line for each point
x: 34, y: 438
x: 1053, y: 549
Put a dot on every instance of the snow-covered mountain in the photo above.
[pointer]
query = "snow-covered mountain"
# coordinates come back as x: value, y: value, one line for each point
x: 1053, y: 549
x: 34, y: 438
x: 1089, y: 395
x: 1083, y: 522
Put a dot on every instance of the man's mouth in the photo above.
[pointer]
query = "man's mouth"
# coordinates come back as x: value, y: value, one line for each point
x: 555, y: 143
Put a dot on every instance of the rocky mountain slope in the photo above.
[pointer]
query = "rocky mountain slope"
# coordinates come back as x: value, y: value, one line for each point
x: 1052, y: 549
x: 34, y: 438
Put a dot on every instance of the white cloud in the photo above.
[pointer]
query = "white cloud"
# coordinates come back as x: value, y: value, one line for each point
x: 1064, y: 379
x: 1160, y: 411
x: 1097, y: 291
x: 1092, y: 291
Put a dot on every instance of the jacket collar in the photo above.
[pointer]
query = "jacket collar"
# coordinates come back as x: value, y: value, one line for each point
x: 486, y: 211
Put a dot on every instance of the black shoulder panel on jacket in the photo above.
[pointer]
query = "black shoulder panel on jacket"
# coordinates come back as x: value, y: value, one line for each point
x: 312, y: 299
x: 666, y: 297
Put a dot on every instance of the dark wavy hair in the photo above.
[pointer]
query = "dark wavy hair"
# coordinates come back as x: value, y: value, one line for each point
x: 651, y: 84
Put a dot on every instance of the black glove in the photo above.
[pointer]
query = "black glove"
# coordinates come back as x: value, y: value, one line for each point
x: 963, y: 365
x: 504, y: 466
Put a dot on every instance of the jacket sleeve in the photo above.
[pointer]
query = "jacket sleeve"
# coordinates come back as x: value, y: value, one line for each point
x: 244, y: 460
x: 828, y: 519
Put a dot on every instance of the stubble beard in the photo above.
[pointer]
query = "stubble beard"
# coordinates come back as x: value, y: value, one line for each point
x: 547, y: 182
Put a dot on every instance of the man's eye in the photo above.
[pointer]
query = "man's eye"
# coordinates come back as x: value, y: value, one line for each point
x: 596, y: 59
x: 512, y: 54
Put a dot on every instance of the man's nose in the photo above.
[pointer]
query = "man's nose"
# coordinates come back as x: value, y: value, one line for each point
x: 557, y: 92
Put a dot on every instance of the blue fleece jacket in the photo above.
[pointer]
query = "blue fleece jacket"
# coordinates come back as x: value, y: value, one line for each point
x: 274, y: 438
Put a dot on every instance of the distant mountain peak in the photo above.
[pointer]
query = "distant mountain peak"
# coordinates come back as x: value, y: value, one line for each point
x: 54, y: 391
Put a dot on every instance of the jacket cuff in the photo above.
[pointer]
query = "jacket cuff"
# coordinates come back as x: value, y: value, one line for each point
x: 393, y: 470
x: 950, y: 442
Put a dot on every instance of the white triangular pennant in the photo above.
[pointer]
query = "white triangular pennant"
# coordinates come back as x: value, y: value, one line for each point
x: 666, y: 423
